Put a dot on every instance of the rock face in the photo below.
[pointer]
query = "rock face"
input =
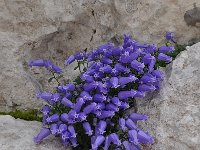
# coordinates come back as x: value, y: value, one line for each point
x: 16, y: 134
x: 55, y: 29
x: 175, y: 111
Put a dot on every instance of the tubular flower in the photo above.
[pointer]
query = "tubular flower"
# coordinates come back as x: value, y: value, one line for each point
x: 122, y: 124
x: 53, y: 118
x: 115, y: 139
x: 44, y: 132
x: 102, y: 126
x: 87, y: 129
x: 54, y: 129
x: 164, y: 57
x: 98, y: 141
x: 126, y: 94
x: 111, y: 77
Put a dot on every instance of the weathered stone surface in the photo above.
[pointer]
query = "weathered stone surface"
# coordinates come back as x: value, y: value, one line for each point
x: 54, y: 29
x: 175, y: 111
x: 16, y: 134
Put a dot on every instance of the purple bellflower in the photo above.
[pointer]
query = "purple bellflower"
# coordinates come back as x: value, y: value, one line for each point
x: 44, y: 132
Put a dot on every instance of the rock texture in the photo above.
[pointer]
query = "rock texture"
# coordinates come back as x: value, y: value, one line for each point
x: 175, y: 111
x: 54, y: 29
x: 16, y: 134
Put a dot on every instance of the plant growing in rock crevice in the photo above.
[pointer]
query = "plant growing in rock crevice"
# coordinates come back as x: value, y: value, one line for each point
x: 89, y: 112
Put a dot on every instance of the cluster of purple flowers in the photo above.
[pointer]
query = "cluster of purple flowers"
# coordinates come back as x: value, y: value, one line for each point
x: 114, y: 77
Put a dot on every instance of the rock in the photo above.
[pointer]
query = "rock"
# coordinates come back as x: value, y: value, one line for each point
x: 175, y: 111
x: 18, y: 134
x: 55, y: 29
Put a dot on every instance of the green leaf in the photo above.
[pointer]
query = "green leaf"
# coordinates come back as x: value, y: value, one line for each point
x: 50, y: 79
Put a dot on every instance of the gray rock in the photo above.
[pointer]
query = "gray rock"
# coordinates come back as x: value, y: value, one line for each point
x: 16, y: 134
x: 55, y: 29
x: 175, y: 111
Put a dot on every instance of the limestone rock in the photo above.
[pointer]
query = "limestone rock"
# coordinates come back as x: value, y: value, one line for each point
x: 55, y: 29
x: 175, y: 111
x: 16, y: 134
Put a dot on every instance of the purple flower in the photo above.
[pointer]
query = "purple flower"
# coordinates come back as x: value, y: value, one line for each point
x: 38, y: 63
x: 106, y: 114
x: 44, y: 132
x: 120, y: 68
x: 56, y: 97
x: 64, y: 117
x: 136, y: 117
x: 106, y: 60
x: 151, y: 66
x: 126, y: 94
x: 79, y: 55
x: 117, y: 51
x: 70, y: 60
x: 115, y: 139
x: 54, y: 129
x: 45, y: 110
x: 135, y: 55
x: 137, y: 65
x: 86, y: 96
x: 107, y: 143
x: 147, y: 59
x: 112, y: 107
x: 145, y: 138
x: 130, y: 146
x: 72, y: 114
x: 72, y: 131
x: 67, y: 102
x: 89, y: 108
x: 99, y: 98
x: 45, y: 95
x: 52, y: 67
x: 79, y: 104
x: 170, y: 36
x: 114, y: 82
x: 69, y: 87
x: 146, y: 88
x: 130, y: 124
x: 98, y: 141
x: 158, y: 74
x: 124, y: 105
x: 150, y: 48
x: 148, y: 78
x: 90, y: 86
x: 100, y: 106
x: 87, y: 128
x: 65, y: 135
x: 53, y: 118
x: 126, y: 80
x: 82, y: 116
x: 62, y: 128
x: 116, y: 101
x: 164, y: 57
x: 74, y: 142
x: 122, y: 124
x: 102, y: 126
x: 56, y: 69
x: 132, y: 134
x: 125, y: 58
x: 87, y: 78
x: 127, y: 145
x: 106, y: 69
x: 166, y: 49
x: 139, y: 94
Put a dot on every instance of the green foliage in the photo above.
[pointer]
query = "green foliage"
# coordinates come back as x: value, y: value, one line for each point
x: 178, y: 49
x: 30, y: 115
